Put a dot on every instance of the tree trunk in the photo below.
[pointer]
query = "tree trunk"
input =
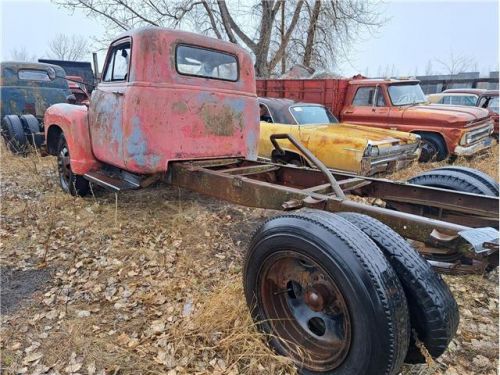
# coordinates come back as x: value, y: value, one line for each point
x: 283, y: 59
x: 262, y: 50
x: 311, y: 31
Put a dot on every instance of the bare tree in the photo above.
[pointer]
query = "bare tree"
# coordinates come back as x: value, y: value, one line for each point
x: 310, y: 32
x: 22, y: 54
x: 428, y: 68
x: 65, y: 47
x: 455, y: 64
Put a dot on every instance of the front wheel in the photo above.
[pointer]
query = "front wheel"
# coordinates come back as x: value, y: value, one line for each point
x: 325, y: 296
x: 433, y: 148
x: 70, y: 182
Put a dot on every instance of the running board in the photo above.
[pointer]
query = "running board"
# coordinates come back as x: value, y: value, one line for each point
x: 111, y: 183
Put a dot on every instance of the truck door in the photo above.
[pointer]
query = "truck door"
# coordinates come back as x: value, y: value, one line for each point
x: 368, y: 107
x: 106, y: 106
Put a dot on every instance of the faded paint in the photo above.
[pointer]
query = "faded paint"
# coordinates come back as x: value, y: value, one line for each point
x: 159, y: 115
x: 136, y: 144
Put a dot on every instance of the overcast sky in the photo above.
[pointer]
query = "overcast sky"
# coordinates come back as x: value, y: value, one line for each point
x: 416, y: 33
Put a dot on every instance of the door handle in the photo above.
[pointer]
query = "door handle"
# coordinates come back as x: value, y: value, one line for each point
x: 348, y: 112
x: 119, y: 93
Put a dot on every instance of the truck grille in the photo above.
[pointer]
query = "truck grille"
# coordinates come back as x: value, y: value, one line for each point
x: 477, y: 134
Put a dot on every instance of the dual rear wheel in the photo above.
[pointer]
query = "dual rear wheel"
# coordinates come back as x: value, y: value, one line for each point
x: 21, y: 132
x: 340, y: 294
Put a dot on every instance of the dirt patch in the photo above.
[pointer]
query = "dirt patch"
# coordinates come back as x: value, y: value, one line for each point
x: 17, y: 286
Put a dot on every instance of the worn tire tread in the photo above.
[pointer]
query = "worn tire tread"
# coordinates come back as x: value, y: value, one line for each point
x: 475, y: 173
x: 433, y: 309
x: 453, y: 181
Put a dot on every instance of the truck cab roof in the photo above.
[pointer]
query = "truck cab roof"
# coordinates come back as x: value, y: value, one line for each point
x: 159, y: 50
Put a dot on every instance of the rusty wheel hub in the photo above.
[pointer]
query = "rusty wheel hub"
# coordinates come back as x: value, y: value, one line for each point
x: 306, y: 310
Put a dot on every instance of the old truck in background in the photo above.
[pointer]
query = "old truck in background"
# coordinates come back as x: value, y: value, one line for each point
x: 78, y: 89
x: 26, y: 91
x: 397, y: 104
x: 470, y: 97
x: 81, y: 69
x: 338, y: 294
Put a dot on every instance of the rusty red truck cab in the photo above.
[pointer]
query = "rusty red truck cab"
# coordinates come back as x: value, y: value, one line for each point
x: 165, y: 95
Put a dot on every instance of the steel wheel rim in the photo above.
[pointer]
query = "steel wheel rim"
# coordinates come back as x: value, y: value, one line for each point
x: 305, y: 309
x: 64, y: 167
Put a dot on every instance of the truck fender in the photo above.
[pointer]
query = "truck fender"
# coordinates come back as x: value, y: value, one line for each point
x: 72, y: 121
x: 440, y: 135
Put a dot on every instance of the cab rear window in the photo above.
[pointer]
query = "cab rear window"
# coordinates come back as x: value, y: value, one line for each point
x: 206, y: 63
x: 33, y: 75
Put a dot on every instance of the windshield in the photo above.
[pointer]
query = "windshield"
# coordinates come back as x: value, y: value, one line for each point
x: 493, y: 104
x: 406, y: 94
x: 304, y: 114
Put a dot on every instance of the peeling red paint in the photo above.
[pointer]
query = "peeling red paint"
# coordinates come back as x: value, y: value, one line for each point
x: 158, y: 115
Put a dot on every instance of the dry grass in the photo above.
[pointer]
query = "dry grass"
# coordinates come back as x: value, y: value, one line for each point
x: 154, y: 284
x: 486, y: 162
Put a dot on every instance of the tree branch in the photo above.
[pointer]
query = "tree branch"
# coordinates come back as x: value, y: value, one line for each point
x: 230, y: 25
x: 212, y: 19
x: 293, y: 23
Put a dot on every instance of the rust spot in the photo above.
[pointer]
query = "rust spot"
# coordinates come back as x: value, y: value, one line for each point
x: 220, y: 120
x: 180, y: 107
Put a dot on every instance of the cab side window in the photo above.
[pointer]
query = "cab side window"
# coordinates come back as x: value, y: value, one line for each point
x: 118, y: 63
x: 380, y: 98
x: 366, y: 95
x: 265, y: 116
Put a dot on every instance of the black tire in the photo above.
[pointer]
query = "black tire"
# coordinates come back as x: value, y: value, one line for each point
x: 13, y: 134
x: 70, y: 182
x: 434, y: 312
x: 478, y: 175
x: 288, y: 158
x: 433, y: 148
x: 33, y: 130
x: 376, y: 303
x: 452, y: 180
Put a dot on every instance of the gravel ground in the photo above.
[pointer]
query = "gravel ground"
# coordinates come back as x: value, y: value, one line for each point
x: 152, y: 285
